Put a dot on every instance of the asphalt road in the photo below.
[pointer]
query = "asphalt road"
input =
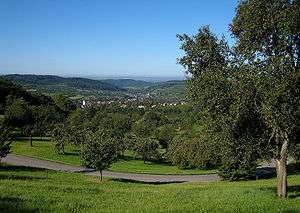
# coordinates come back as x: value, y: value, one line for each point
x: 38, y: 163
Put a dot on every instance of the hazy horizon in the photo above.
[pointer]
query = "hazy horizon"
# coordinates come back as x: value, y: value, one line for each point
x: 104, y: 77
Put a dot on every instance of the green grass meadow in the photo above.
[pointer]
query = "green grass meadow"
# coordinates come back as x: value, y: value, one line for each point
x: 44, y: 149
x: 36, y: 190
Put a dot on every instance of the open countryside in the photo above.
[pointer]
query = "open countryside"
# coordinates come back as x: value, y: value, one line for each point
x: 201, y: 113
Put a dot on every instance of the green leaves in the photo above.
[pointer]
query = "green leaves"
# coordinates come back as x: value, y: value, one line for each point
x: 99, y: 151
x: 5, y: 141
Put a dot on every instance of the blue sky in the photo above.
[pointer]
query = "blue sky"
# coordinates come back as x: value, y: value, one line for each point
x: 103, y: 38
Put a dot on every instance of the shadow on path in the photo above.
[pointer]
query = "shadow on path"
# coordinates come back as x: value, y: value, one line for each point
x: 143, y: 182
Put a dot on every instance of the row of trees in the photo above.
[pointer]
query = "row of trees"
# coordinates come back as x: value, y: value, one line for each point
x: 249, y: 93
x: 138, y: 131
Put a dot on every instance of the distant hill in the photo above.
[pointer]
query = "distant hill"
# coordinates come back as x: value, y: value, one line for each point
x: 37, y: 81
x: 168, y: 91
x: 106, y: 89
x: 8, y: 88
x: 128, y: 83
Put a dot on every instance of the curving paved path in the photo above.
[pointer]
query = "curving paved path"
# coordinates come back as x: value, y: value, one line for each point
x: 38, y: 163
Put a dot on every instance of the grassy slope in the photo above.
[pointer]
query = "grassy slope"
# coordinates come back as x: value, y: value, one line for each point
x: 44, y: 150
x: 25, y: 190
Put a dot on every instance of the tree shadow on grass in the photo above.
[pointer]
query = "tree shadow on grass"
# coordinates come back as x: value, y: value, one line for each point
x: 20, y: 177
x: 293, y: 191
x: 143, y: 182
x: 20, y: 168
x: 16, y: 169
x: 33, y: 139
x: 70, y: 154
x: 265, y: 173
x: 149, y: 162
x: 12, y: 204
x: 270, y: 172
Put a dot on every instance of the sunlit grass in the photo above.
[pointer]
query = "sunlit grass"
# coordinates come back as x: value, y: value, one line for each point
x: 26, y: 190
x: 45, y: 150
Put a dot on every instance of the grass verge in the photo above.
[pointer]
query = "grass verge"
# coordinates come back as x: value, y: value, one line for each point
x: 26, y: 189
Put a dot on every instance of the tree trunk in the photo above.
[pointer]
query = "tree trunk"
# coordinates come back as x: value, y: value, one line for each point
x: 281, y: 170
x: 30, y: 140
x: 101, y: 175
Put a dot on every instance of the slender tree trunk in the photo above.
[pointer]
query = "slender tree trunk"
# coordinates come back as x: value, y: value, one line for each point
x: 281, y: 170
x: 30, y: 140
x: 101, y: 175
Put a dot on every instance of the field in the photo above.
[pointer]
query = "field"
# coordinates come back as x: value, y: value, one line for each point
x: 44, y: 150
x: 35, y: 190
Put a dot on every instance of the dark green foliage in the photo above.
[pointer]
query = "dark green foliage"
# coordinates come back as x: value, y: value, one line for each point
x: 20, y: 115
x: 239, y: 159
x: 99, y: 151
x: 58, y: 136
x: 147, y: 125
x: 31, y: 114
x: 116, y: 124
x: 224, y: 96
x: 249, y: 93
x: 64, y: 103
x: 9, y: 89
x: 128, y: 83
x: 50, y: 80
x: 165, y: 134
x: 194, y: 152
x: 45, y: 118
x: 268, y: 39
x: 76, y: 126
x: 5, y: 141
x: 146, y: 148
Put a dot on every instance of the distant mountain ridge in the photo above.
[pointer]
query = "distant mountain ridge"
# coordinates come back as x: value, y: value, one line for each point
x: 44, y: 80
x: 128, y: 83
x: 106, y: 89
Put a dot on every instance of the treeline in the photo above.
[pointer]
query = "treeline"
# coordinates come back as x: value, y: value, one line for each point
x: 23, y: 113
x: 40, y: 81
x: 147, y: 132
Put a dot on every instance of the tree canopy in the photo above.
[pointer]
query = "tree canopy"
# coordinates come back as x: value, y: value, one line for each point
x: 248, y: 94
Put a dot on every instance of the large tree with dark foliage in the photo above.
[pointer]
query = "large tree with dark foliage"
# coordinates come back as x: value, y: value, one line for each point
x: 19, y: 114
x: 268, y: 38
x: 249, y: 95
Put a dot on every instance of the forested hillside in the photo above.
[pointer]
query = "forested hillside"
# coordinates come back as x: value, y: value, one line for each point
x: 11, y: 90
x: 106, y: 89
x: 51, y: 80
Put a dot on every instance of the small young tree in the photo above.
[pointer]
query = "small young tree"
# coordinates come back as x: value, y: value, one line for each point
x: 99, y: 151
